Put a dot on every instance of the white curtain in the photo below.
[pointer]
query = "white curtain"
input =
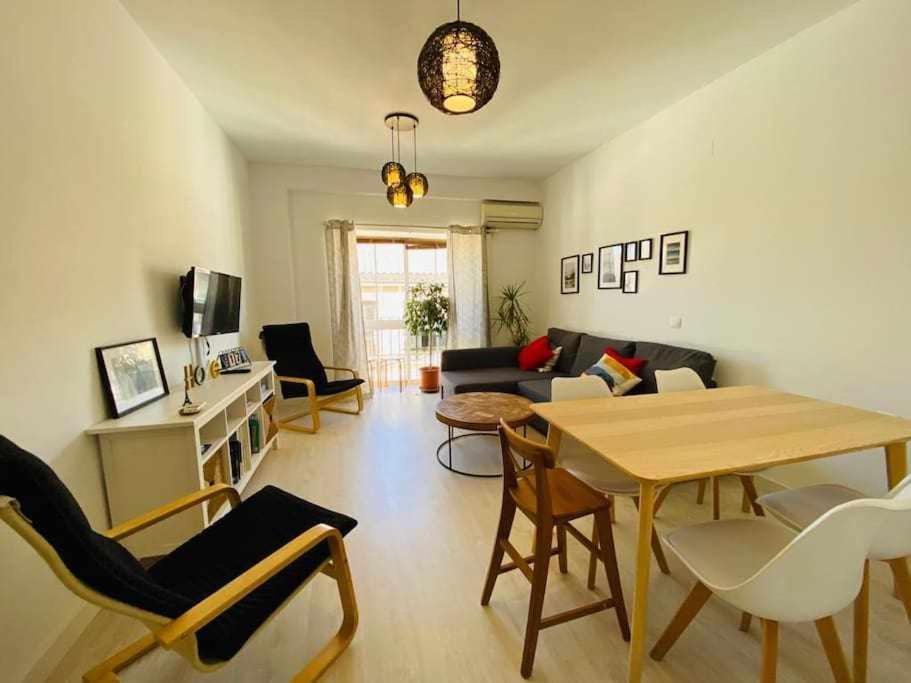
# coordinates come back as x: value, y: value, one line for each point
x: 467, y: 257
x: 349, y: 347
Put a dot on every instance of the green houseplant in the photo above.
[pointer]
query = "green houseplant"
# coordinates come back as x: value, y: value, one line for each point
x: 511, y: 314
x: 427, y: 313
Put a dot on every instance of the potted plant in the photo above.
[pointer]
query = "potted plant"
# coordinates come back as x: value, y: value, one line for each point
x: 427, y: 313
x: 511, y: 315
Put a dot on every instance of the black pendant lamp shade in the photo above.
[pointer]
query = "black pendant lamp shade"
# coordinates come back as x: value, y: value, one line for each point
x: 459, y: 67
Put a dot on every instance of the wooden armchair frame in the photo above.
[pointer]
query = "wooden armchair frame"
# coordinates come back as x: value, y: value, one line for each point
x: 317, y: 403
x: 179, y: 634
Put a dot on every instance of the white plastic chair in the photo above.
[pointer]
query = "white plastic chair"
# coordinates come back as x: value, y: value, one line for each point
x: 591, y: 468
x: 799, y: 508
x: 687, y: 379
x: 767, y: 570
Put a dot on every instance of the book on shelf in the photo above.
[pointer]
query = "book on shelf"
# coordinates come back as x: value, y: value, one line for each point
x: 235, y: 451
x: 255, y: 434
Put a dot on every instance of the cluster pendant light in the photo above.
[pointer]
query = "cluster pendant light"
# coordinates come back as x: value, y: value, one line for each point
x: 401, y: 188
x: 459, y: 67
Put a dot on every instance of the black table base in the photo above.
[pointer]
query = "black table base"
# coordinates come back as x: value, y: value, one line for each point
x: 453, y: 437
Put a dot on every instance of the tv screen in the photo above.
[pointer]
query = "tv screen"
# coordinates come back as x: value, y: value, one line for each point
x: 211, y: 303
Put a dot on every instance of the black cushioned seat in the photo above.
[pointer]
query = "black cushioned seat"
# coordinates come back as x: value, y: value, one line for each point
x: 259, y: 526
x: 291, y: 347
x: 504, y: 380
x: 252, y: 531
x: 537, y: 390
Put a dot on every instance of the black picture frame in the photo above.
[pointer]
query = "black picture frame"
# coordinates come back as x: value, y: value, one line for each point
x: 151, y: 369
x: 631, y: 252
x: 567, y: 287
x: 588, y: 263
x: 645, y: 247
x: 627, y: 287
x: 681, y: 259
x: 616, y: 250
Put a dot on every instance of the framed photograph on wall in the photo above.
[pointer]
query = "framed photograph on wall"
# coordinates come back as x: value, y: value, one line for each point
x: 588, y: 263
x: 674, y: 252
x: 631, y: 251
x: 610, y: 267
x: 631, y: 282
x: 645, y: 249
x: 569, y: 275
x: 132, y: 375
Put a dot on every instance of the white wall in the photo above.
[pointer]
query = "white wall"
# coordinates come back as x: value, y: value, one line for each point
x: 792, y: 174
x: 289, y: 204
x: 113, y: 180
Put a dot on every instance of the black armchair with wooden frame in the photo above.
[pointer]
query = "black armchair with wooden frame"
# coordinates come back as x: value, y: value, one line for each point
x: 551, y: 498
x: 208, y: 597
x: 302, y: 375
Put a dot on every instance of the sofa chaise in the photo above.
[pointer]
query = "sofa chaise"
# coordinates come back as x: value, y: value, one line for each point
x: 497, y: 368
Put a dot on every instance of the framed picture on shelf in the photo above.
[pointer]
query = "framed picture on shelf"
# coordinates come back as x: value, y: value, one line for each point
x: 610, y: 267
x: 674, y: 251
x: 569, y: 275
x: 588, y: 263
x: 645, y: 249
x: 631, y: 282
x: 631, y: 251
x: 132, y: 375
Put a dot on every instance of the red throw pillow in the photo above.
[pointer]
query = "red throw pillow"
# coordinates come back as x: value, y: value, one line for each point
x: 634, y: 365
x: 536, y: 354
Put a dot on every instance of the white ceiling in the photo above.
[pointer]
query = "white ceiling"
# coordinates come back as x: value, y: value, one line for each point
x: 310, y: 81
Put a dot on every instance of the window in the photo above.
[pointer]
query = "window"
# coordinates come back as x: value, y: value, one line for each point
x: 390, y: 263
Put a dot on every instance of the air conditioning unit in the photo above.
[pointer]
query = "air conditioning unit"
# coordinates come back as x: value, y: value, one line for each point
x: 511, y: 215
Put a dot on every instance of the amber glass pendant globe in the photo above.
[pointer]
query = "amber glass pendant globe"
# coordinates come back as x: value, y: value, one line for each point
x: 400, y: 196
x: 418, y: 184
x: 393, y: 173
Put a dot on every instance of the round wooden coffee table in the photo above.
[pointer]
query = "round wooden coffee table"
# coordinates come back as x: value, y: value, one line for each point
x: 479, y: 414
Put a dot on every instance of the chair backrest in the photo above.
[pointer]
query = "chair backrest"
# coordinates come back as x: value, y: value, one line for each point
x: 820, y: 572
x: 291, y: 347
x: 512, y: 448
x: 681, y: 379
x: 578, y: 388
x: 894, y: 540
x: 37, y: 505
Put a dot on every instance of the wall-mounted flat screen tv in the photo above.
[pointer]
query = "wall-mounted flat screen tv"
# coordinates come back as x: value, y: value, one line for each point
x: 210, y: 302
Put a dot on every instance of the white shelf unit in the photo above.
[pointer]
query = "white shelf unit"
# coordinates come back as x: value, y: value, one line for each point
x: 155, y: 455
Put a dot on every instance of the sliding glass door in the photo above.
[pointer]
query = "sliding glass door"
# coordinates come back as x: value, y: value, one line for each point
x: 390, y: 264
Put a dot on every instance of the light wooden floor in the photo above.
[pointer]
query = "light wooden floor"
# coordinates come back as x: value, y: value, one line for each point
x: 419, y: 556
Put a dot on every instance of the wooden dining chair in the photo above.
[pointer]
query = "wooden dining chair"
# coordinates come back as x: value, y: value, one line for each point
x: 591, y: 468
x: 800, y: 507
x: 767, y: 570
x: 210, y: 595
x: 551, y: 498
x: 301, y: 374
x: 687, y: 379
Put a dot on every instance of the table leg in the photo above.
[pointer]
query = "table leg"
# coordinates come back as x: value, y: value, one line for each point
x: 643, y: 564
x: 554, y: 435
x: 896, y: 463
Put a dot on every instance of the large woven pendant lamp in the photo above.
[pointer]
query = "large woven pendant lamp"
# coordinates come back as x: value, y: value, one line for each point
x: 459, y: 67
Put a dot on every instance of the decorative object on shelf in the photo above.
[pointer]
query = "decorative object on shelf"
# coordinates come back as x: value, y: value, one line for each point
x: 645, y: 249
x: 511, y: 314
x: 214, y: 369
x: 674, y: 253
x: 610, y: 266
x: 132, y: 375
x: 401, y: 187
x: 588, y: 263
x: 233, y: 361
x: 188, y: 407
x: 427, y: 314
x: 631, y: 282
x: 459, y: 67
x: 569, y: 274
x: 631, y: 251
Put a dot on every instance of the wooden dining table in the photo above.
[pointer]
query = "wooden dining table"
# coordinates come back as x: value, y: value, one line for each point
x: 660, y: 439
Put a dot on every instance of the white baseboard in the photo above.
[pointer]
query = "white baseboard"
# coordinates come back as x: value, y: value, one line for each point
x: 49, y: 661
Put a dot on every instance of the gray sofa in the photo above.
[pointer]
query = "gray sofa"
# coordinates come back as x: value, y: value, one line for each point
x: 497, y: 368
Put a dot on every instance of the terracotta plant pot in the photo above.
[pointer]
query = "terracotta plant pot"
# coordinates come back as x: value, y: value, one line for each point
x: 430, y: 379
